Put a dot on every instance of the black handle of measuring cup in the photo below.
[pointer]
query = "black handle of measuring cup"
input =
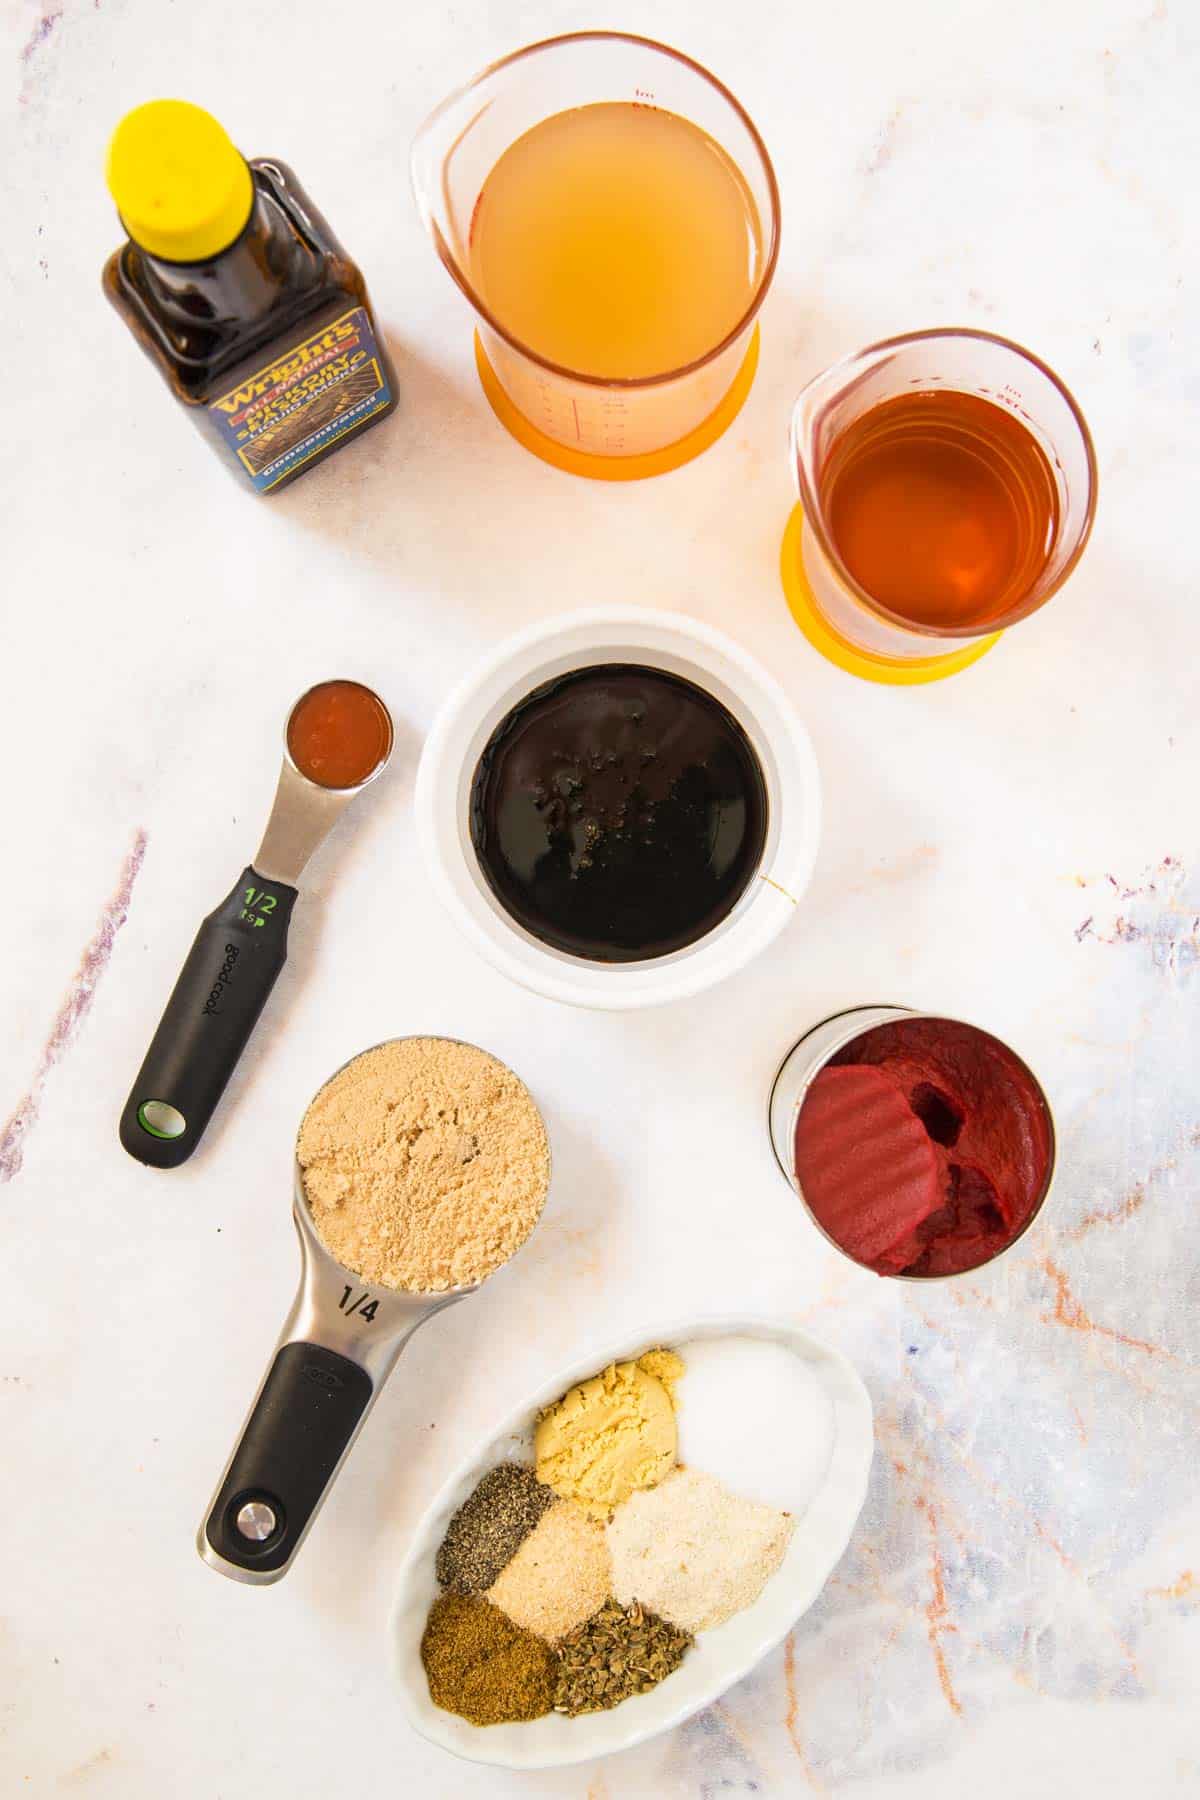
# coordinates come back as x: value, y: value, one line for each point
x: 307, y: 1411
x: 222, y: 988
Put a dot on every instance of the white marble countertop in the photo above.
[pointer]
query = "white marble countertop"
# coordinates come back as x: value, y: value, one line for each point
x: 1019, y: 1612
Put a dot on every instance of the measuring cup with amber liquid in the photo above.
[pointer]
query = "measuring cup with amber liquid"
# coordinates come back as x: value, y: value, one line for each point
x: 611, y: 213
x: 947, y: 487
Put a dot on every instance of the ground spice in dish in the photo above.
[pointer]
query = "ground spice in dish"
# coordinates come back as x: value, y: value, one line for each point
x: 665, y: 1366
x: 620, y: 1651
x: 425, y: 1164
x: 490, y: 1526
x: 610, y: 1434
x: 693, y: 1551
x: 482, y: 1666
x: 559, y: 1576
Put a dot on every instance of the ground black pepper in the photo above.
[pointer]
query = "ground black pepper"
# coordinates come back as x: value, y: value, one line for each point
x: 490, y: 1526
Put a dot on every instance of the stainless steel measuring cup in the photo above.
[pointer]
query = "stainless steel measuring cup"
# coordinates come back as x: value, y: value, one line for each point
x: 339, y: 1343
x: 232, y: 966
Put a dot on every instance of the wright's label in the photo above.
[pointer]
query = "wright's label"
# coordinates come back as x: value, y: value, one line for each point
x: 298, y: 406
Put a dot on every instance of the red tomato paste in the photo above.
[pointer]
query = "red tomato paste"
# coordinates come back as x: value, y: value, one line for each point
x: 923, y: 1147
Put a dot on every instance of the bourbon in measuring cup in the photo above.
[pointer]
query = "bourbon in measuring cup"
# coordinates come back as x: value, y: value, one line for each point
x: 947, y: 487
x: 943, y: 507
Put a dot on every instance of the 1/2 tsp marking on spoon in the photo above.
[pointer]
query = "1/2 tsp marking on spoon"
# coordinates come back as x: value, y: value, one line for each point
x: 258, y: 903
x: 345, y: 732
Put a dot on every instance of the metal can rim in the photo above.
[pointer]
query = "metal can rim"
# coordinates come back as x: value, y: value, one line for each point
x: 851, y: 1014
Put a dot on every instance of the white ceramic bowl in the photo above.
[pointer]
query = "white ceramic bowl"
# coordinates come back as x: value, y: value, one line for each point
x: 718, y: 1658
x: 660, y: 640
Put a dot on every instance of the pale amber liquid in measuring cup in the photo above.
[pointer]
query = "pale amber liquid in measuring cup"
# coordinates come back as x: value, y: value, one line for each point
x: 616, y: 240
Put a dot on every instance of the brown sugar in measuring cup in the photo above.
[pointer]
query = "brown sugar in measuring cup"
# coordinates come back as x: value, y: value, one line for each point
x: 422, y: 1166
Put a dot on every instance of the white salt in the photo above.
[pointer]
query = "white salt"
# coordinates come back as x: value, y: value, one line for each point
x: 753, y: 1413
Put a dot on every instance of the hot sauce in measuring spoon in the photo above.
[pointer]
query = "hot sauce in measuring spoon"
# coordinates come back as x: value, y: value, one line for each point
x: 338, y: 734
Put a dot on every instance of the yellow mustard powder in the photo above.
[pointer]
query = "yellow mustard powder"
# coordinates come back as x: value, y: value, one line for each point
x: 611, y: 1435
x: 665, y: 1366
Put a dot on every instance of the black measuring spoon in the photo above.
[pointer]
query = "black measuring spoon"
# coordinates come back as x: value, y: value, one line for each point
x: 242, y: 945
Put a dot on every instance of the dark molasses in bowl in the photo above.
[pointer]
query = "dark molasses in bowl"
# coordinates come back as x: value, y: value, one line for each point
x: 618, y: 812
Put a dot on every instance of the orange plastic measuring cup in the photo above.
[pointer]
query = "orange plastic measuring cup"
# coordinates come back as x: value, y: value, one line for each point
x: 614, y: 428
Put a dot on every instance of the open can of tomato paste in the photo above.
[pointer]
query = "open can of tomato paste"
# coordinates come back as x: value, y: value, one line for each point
x: 921, y: 1147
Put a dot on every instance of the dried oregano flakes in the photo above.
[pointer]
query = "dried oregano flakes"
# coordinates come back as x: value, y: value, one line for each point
x: 620, y: 1651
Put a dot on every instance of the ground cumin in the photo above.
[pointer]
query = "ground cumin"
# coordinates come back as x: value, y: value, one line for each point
x: 425, y: 1164
x: 481, y: 1666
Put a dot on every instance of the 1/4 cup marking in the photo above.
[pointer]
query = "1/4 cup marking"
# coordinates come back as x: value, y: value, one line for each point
x: 364, y: 1306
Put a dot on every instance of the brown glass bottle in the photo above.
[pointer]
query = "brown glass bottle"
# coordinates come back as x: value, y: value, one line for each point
x: 271, y: 344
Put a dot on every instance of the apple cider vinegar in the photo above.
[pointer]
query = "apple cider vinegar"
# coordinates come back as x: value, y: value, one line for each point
x: 617, y: 240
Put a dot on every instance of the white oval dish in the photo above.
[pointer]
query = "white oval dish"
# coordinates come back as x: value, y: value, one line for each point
x: 719, y: 1658
x: 662, y: 640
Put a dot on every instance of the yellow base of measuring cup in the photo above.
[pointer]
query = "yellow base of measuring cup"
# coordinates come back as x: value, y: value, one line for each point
x: 893, y: 671
x: 618, y: 468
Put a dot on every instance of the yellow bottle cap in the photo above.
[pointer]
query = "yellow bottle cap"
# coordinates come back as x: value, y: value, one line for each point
x: 183, y: 191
